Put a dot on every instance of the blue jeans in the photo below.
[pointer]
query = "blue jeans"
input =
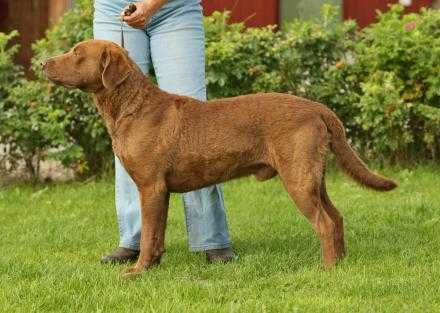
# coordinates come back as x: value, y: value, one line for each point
x: 173, y: 43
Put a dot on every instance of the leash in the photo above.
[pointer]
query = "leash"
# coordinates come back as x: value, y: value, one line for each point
x: 127, y: 12
x: 122, y: 34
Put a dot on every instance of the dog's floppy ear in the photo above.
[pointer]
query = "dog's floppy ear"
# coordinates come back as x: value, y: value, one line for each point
x: 116, y: 68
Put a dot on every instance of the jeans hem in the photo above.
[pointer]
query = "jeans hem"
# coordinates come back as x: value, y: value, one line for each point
x: 129, y: 246
x: 192, y: 248
x: 197, y: 248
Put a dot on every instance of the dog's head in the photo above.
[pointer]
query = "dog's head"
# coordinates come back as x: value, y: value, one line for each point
x: 90, y: 66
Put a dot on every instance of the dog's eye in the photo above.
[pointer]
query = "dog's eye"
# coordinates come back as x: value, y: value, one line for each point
x: 75, y: 53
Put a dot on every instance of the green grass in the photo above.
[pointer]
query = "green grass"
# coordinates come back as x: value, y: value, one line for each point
x: 53, y: 236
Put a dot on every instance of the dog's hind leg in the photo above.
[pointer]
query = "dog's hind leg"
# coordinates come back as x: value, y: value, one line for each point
x: 300, y: 168
x: 306, y: 196
x: 333, y: 212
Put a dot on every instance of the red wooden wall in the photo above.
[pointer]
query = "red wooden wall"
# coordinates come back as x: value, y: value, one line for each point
x: 364, y: 12
x: 254, y: 13
x: 30, y: 18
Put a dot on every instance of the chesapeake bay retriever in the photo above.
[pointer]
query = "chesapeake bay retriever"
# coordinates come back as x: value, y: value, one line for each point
x: 171, y: 143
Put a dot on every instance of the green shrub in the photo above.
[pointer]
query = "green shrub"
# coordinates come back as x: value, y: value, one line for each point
x: 43, y: 120
x: 82, y: 141
x: 10, y: 74
x: 84, y: 128
x: 305, y: 58
x: 398, y: 68
x: 32, y: 130
x: 312, y: 61
x: 309, y: 49
x: 239, y: 60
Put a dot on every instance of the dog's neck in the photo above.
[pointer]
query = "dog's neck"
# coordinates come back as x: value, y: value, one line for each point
x: 123, y: 101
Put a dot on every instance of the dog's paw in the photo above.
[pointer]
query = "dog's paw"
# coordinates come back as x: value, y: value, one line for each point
x: 132, y: 272
x: 139, y: 268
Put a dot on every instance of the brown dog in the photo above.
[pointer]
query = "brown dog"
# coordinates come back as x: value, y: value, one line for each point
x: 170, y: 143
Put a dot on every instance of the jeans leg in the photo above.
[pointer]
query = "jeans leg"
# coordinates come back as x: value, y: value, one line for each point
x: 106, y: 26
x: 206, y: 219
x: 177, y: 46
x: 127, y: 208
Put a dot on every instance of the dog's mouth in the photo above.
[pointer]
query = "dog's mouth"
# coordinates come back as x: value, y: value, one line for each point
x: 58, y: 81
x: 67, y: 85
x: 61, y: 83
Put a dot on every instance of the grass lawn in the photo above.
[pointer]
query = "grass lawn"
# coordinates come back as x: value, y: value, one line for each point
x: 52, y: 238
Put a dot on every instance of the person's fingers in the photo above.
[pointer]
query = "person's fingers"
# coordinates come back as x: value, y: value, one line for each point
x: 124, y: 12
x: 136, y: 19
x: 133, y: 17
x: 139, y: 24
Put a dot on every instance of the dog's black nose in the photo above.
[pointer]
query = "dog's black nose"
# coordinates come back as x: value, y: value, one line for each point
x: 44, y: 64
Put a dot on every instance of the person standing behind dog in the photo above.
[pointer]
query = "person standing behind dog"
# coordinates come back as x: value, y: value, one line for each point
x: 169, y: 36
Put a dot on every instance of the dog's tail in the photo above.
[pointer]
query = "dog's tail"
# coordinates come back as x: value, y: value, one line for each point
x: 347, y: 158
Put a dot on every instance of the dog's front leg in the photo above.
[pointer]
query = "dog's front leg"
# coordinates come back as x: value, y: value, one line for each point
x: 154, y: 210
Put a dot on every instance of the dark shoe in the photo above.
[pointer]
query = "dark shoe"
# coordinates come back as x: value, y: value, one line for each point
x: 120, y: 255
x: 224, y: 255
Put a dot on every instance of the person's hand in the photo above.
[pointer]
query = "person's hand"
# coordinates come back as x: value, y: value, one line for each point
x: 144, y: 11
x: 138, y: 18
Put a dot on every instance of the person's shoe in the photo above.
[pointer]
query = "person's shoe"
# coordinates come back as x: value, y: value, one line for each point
x: 224, y: 255
x: 120, y: 255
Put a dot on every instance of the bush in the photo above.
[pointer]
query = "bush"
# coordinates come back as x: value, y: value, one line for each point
x: 86, y: 144
x: 47, y: 121
x: 310, y: 49
x: 311, y: 57
x: 38, y: 130
x: 74, y: 131
x: 398, y: 66
x: 305, y: 58
x: 10, y: 74
x: 239, y: 60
